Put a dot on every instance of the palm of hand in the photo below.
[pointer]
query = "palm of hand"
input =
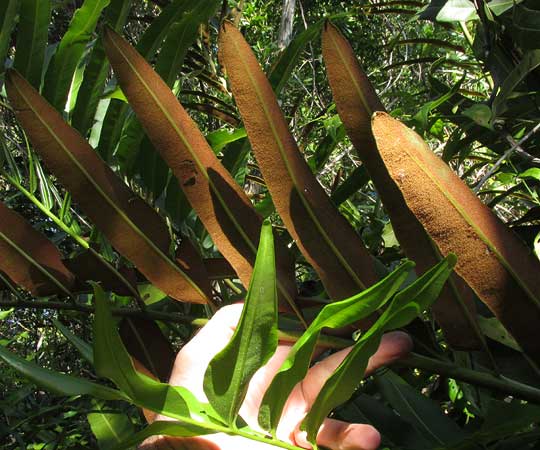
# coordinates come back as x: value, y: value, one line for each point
x: 193, y: 359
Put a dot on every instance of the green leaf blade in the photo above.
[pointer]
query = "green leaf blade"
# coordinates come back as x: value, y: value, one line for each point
x: 32, y: 39
x: 404, y: 308
x: 62, y: 67
x: 334, y: 315
x: 254, y: 341
x: 58, y: 382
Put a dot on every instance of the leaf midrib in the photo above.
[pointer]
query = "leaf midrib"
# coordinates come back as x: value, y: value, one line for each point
x: 201, y: 169
x: 474, y: 226
x: 349, y: 71
x: 307, y: 207
x: 34, y: 263
x: 120, y: 213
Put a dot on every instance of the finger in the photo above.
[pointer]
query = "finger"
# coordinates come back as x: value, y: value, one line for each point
x: 393, y: 346
x: 338, y: 435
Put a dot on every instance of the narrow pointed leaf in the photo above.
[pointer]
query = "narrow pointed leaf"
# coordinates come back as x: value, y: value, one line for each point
x: 8, y: 12
x: 220, y: 203
x: 254, y: 340
x: 325, y: 238
x: 356, y: 101
x: 83, y: 347
x: 113, y: 361
x: 334, y: 315
x: 64, y: 62
x: 131, y: 225
x: 58, y: 382
x: 32, y: 34
x: 97, y: 70
x: 29, y: 258
x: 491, y: 259
x: 406, y: 306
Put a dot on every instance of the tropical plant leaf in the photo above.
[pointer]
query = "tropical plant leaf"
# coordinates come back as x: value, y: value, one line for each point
x: 449, y: 11
x: 354, y: 182
x: 325, y: 238
x: 95, y: 73
x: 334, y: 315
x: 113, y: 361
x: 83, y: 347
x: 254, y: 340
x: 8, y: 12
x: 146, y: 343
x: 421, y: 412
x: 135, y: 149
x: 499, y: 7
x: 152, y: 38
x: 110, y: 428
x: 492, y: 260
x: 526, y: 23
x: 530, y: 61
x: 406, y: 306
x: 90, y: 266
x: 282, y: 68
x: 32, y: 34
x: 58, y: 382
x: 70, y: 49
x: 29, y: 258
x: 220, y: 203
x: 131, y: 225
x: 356, y: 101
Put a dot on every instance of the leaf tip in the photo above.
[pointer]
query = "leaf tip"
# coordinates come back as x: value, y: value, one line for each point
x: 452, y: 259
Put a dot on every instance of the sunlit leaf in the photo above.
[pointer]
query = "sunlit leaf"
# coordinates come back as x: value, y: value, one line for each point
x: 356, y: 101
x: 325, y: 238
x: 407, y: 305
x: 491, y: 259
x: 254, y: 340
x: 220, y: 203
x: 97, y: 70
x: 334, y: 315
x: 70, y: 49
x: 113, y: 361
x: 135, y: 229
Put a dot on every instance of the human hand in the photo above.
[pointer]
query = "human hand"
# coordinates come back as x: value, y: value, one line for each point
x: 192, y: 361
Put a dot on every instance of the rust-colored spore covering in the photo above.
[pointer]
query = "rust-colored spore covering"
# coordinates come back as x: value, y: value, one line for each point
x: 220, y: 203
x: 16, y: 229
x: 325, y: 238
x: 491, y: 259
x: 356, y: 100
x: 132, y: 226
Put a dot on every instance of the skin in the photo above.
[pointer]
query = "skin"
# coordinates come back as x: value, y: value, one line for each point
x: 190, y: 366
